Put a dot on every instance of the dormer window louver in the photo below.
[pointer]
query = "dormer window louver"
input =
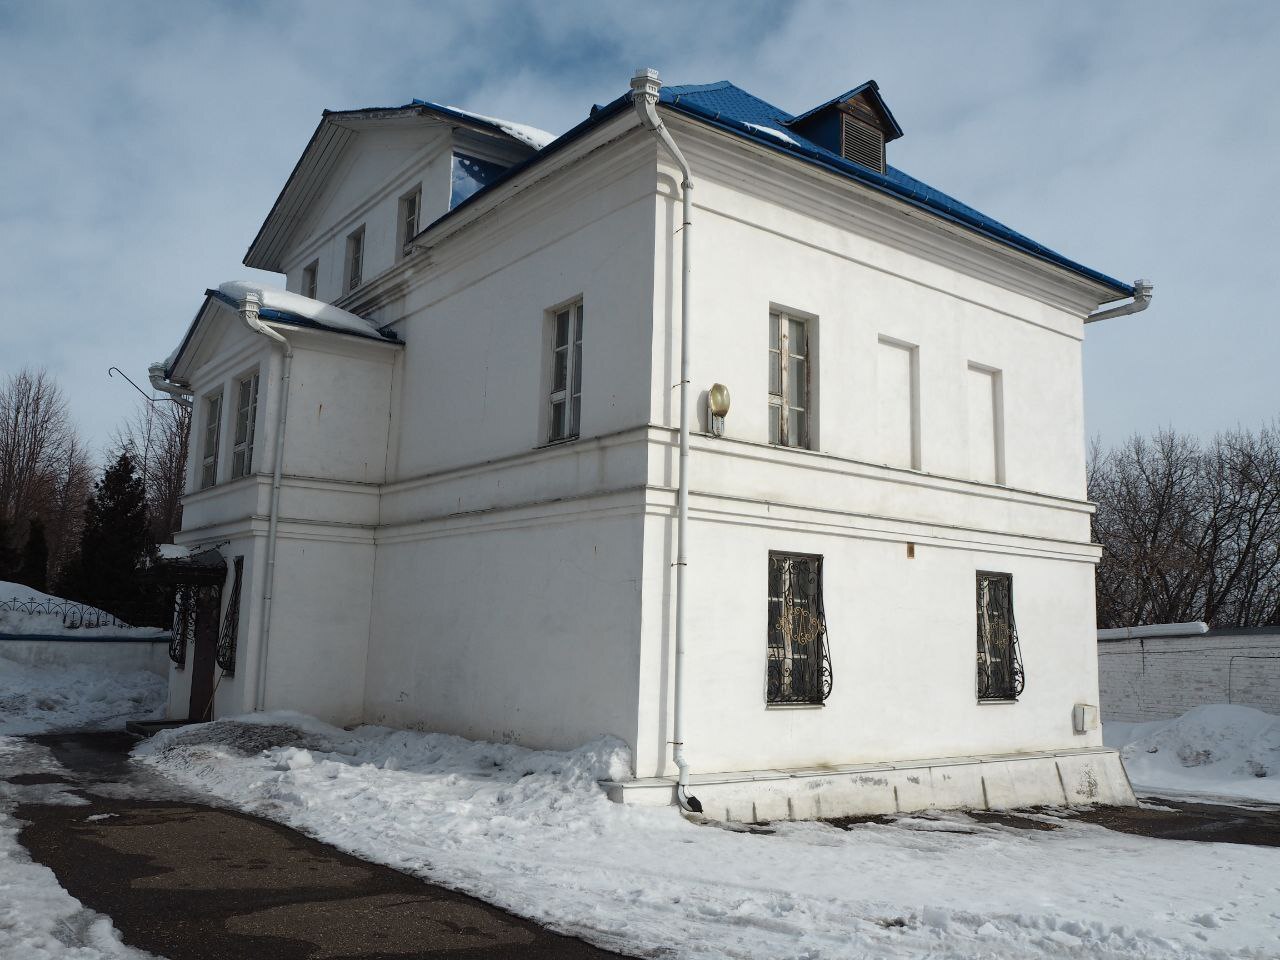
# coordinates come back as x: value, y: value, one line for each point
x: 862, y: 143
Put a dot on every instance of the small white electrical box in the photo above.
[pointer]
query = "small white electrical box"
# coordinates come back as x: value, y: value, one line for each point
x: 1084, y: 717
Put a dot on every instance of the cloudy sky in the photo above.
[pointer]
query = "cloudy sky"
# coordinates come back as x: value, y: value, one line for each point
x: 146, y: 141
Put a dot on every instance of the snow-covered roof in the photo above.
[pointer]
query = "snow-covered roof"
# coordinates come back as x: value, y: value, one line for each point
x: 281, y: 306
x: 289, y: 307
x: 521, y: 131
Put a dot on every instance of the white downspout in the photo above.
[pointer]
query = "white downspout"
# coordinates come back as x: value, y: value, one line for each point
x: 644, y: 96
x: 1143, y: 290
x: 180, y: 392
x: 249, y: 313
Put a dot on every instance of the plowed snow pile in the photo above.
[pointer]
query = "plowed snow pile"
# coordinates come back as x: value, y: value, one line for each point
x: 532, y: 831
x: 1220, y: 749
x: 55, y: 698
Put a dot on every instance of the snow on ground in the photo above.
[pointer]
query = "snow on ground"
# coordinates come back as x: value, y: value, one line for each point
x: 38, y: 919
x: 533, y: 832
x: 44, y: 614
x: 1219, y: 749
x: 48, y: 698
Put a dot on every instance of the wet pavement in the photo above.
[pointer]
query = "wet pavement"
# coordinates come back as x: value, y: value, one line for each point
x: 187, y: 880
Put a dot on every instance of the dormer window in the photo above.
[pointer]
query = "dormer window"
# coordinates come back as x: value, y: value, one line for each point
x: 856, y: 125
x: 862, y: 143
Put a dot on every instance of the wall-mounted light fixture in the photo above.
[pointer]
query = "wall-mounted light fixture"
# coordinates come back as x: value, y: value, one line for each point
x: 717, y: 408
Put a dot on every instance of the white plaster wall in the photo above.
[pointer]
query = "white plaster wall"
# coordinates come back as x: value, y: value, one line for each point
x: 339, y: 409
x: 378, y: 167
x: 755, y: 250
x: 518, y: 626
x: 903, y: 632
x: 476, y: 356
x: 320, y: 623
x: 120, y: 655
x: 902, y: 636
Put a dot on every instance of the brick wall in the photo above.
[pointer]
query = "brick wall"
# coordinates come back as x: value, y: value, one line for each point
x: 1161, y: 677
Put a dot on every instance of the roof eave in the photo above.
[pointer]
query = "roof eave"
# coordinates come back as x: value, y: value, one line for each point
x: 874, y: 181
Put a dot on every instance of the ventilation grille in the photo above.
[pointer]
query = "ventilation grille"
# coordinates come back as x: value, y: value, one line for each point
x: 863, y: 144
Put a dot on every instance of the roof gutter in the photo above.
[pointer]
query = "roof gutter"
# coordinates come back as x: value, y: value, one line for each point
x: 645, y: 90
x: 180, y: 392
x: 248, y: 309
x: 1143, y: 291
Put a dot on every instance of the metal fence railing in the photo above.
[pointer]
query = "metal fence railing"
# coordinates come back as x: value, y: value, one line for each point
x: 72, y: 615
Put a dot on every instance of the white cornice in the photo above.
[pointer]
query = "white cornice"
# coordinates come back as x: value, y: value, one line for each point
x: 848, y: 205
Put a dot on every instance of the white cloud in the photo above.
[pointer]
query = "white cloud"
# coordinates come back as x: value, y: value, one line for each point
x: 146, y: 142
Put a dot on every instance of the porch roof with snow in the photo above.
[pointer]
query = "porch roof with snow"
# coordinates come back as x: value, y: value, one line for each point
x: 279, y: 306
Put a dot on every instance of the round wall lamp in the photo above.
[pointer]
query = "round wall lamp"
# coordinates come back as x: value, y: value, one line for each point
x: 717, y: 408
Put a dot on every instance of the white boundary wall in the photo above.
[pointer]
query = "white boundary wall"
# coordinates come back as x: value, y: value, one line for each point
x: 122, y: 654
x: 1155, y: 678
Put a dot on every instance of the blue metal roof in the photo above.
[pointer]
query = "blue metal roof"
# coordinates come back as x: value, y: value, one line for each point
x: 869, y: 87
x: 731, y: 108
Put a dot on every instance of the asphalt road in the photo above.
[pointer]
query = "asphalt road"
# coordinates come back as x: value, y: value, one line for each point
x: 189, y: 881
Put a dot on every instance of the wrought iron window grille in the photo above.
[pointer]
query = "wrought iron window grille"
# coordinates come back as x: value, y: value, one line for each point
x: 226, y: 652
x: 799, y: 662
x: 184, y: 623
x: 1000, y: 672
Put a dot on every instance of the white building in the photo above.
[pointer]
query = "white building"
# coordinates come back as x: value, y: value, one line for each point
x: 477, y: 475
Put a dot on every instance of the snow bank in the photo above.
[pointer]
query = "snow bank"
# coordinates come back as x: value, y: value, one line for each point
x: 27, y: 612
x: 48, y: 698
x: 534, y: 833
x: 39, y: 920
x: 317, y: 311
x: 1220, y: 749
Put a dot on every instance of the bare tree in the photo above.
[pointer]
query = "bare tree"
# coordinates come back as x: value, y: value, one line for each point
x: 158, y: 435
x: 44, y: 471
x: 1189, y: 531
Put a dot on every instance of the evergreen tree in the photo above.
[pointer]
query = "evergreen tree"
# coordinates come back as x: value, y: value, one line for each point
x: 114, y: 545
x: 35, y: 557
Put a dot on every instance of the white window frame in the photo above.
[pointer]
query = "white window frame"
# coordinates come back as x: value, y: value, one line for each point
x: 211, y: 440
x: 245, y: 426
x: 564, y: 396
x: 310, y: 279
x: 409, y: 222
x: 354, y: 275
x: 782, y: 399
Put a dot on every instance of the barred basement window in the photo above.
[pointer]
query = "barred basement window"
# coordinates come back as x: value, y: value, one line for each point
x: 226, y: 652
x: 1000, y: 675
x: 799, y: 665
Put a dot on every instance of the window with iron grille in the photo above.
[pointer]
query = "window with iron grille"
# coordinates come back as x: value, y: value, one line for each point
x: 184, y: 624
x: 799, y: 664
x: 355, y: 258
x: 1000, y: 675
x: 246, y: 418
x: 225, y: 655
x: 209, y: 452
x: 789, y: 406
x: 566, y: 372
